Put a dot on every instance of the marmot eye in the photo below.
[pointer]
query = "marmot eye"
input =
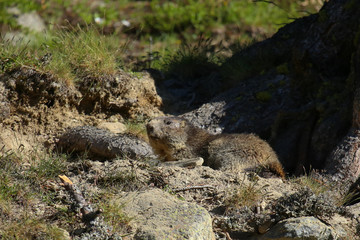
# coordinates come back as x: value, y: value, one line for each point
x: 168, y: 122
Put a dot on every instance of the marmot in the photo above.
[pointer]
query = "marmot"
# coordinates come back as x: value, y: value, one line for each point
x: 175, y: 138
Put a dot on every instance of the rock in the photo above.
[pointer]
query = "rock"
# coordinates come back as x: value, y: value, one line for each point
x: 32, y: 21
x: 237, y: 110
x: 121, y: 93
x: 300, y: 228
x: 114, y: 127
x: 344, y: 163
x: 104, y: 144
x: 158, y: 215
x: 4, y: 103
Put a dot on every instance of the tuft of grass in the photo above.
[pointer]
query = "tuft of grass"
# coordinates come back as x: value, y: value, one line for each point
x: 114, y: 215
x: 136, y: 128
x: 79, y: 53
x: 246, y: 195
x: 192, y: 61
x: 70, y: 54
x: 18, y: 51
x: 315, y: 185
x: 45, y: 166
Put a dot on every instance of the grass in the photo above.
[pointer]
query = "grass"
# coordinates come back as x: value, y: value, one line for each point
x: 246, y: 195
x: 84, y: 52
x: 200, y: 17
x: 136, y: 128
x: 114, y: 215
x: 316, y: 186
x: 23, y: 185
x: 85, y: 46
x: 29, y: 228
x: 157, y: 17
x: 192, y: 61
x: 72, y: 54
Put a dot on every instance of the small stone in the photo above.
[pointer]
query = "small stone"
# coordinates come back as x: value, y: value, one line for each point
x: 300, y: 228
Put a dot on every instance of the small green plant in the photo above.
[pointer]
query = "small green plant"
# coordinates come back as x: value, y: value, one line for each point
x: 46, y: 166
x: 246, y: 195
x: 136, y: 128
x: 316, y: 186
x: 114, y: 215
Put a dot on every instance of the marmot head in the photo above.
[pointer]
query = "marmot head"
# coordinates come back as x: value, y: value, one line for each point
x: 167, y: 128
x: 167, y: 135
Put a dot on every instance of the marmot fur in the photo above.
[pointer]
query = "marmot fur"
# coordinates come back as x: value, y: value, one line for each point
x: 174, y: 138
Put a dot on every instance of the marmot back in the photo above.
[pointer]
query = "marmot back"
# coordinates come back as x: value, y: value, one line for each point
x: 174, y: 138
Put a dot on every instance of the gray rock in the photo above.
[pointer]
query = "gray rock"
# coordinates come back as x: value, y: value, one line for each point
x: 104, y: 144
x: 158, y: 215
x: 32, y: 21
x: 4, y: 103
x: 300, y: 228
x: 344, y: 163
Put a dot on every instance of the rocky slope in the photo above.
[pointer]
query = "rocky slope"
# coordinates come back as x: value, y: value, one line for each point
x: 302, y: 103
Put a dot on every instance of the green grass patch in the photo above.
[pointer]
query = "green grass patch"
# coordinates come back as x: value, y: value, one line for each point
x: 204, y: 15
x: 310, y: 182
x: 246, y: 195
x: 24, y: 176
x: 29, y: 228
x: 79, y: 53
x: 70, y: 54
x: 114, y: 215
x: 136, y: 128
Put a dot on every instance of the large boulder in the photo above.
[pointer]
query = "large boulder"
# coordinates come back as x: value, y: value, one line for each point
x: 158, y: 215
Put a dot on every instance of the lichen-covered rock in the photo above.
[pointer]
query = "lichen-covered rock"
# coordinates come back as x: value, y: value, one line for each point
x: 103, y: 144
x: 158, y: 215
x: 305, y: 228
x: 343, y: 165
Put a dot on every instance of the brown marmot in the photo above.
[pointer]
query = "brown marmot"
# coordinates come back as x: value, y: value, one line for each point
x: 175, y: 139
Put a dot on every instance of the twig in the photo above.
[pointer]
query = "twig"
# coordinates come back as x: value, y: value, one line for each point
x: 193, y: 162
x: 88, y: 215
x: 193, y: 187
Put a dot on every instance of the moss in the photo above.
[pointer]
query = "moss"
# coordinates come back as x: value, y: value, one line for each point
x: 283, y: 69
x: 263, y: 96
